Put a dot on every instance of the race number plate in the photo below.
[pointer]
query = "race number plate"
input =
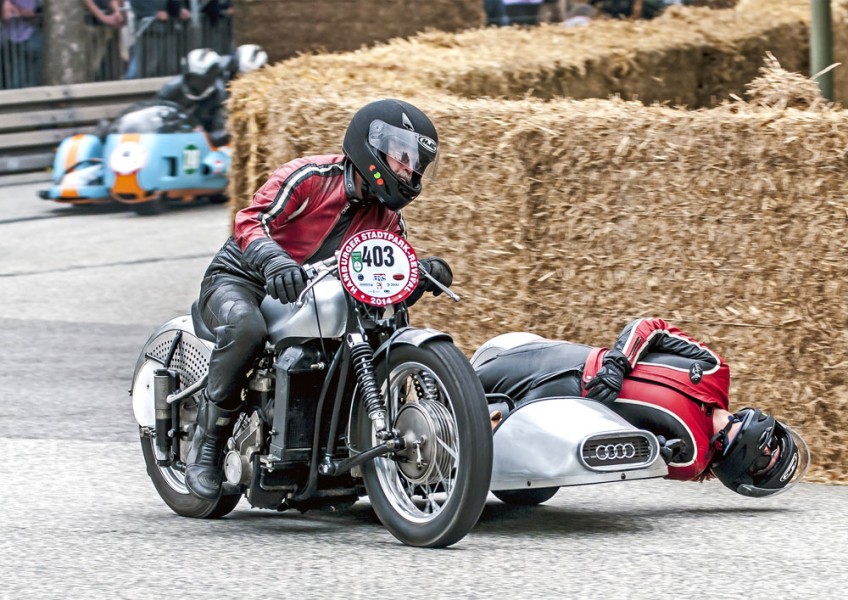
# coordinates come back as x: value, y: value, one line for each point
x: 378, y: 267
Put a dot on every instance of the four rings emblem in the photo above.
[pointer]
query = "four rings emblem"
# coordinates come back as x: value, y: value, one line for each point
x: 615, y: 451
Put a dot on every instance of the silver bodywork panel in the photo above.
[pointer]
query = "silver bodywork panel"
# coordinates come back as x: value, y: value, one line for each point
x: 288, y: 321
x: 191, y: 360
x: 541, y: 444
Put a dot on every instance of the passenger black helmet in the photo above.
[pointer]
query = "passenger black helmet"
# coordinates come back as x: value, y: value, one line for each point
x: 397, y: 129
x: 745, y: 463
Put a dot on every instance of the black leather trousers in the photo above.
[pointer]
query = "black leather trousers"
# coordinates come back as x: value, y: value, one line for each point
x: 229, y: 306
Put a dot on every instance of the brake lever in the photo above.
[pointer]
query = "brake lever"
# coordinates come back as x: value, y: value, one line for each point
x: 302, y: 297
x: 450, y: 293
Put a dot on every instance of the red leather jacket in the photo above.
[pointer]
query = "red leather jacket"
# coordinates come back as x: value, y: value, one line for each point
x: 301, y: 202
x: 675, y: 383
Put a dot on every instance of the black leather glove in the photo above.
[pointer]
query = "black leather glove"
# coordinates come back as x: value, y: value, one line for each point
x: 606, y: 384
x: 284, y: 278
x: 439, y: 269
x: 670, y: 449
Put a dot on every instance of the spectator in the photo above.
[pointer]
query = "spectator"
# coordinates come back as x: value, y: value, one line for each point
x: 22, y: 42
x: 103, y: 38
x: 495, y: 13
x: 644, y: 9
x: 216, y: 20
x: 150, y: 19
x: 178, y: 9
x: 522, y: 12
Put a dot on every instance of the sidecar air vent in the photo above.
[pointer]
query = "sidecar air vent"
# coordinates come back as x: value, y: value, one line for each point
x: 614, y: 452
x: 190, y: 358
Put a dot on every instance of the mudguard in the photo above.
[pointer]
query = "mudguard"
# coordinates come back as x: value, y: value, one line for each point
x: 190, y: 358
x: 570, y: 441
x: 413, y: 336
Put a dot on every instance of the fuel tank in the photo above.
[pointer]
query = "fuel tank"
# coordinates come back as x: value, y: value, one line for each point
x: 323, y: 314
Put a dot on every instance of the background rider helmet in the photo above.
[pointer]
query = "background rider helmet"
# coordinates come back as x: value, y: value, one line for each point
x: 201, y: 73
x: 764, y: 457
x: 392, y: 145
x: 249, y: 57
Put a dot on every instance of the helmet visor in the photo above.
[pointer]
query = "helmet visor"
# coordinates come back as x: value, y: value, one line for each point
x: 414, y: 151
x: 791, y: 464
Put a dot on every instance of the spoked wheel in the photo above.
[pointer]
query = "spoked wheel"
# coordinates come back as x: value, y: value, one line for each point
x: 169, y: 480
x: 432, y: 492
x: 530, y: 497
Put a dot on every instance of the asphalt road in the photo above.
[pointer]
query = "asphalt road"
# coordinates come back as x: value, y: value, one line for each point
x: 80, y: 291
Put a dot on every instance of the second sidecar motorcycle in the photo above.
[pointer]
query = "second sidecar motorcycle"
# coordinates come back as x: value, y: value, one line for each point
x: 152, y: 153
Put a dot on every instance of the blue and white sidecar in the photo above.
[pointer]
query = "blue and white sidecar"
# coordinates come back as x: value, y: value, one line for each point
x: 545, y: 444
x: 152, y: 152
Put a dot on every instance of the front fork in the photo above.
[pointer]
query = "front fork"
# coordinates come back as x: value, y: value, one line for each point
x: 362, y: 358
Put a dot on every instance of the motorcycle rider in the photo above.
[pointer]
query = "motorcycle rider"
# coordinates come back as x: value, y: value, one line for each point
x: 662, y: 380
x: 302, y: 214
x: 200, y: 91
x: 247, y: 58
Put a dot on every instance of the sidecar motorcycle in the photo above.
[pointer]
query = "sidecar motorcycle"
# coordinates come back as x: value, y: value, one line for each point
x: 346, y: 400
x: 152, y: 153
x: 545, y: 444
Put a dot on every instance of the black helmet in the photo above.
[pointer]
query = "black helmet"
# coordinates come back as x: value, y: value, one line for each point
x: 395, y: 129
x: 745, y: 464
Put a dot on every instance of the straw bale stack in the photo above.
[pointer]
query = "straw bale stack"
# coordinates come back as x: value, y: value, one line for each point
x: 570, y: 217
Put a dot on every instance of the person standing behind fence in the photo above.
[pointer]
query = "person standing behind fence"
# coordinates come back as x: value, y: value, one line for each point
x: 103, y: 30
x: 22, y: 43
x: 522, y: 12
x: 150, y: 21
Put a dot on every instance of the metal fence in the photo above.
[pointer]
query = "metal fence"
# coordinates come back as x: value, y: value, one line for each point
x: 149, y: 48
x: 21, y: 52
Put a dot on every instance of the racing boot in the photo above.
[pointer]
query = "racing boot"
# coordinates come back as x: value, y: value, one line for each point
x: 204, y: 473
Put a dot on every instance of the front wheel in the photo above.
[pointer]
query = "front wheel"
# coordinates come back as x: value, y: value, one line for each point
x: 432, y: 492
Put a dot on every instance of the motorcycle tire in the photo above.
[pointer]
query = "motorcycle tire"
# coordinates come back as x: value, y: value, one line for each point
x: 530, y: 497
x: 171, y: 488
x: 150, y: 208
x: 405, y: 491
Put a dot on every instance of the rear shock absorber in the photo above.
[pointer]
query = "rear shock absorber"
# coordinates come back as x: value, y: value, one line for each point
x: 362, y: 357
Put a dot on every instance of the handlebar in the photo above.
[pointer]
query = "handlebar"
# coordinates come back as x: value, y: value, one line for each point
x: 316, y: 272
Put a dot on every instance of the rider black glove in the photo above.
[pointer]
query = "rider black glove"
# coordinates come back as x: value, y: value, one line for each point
x: 284, y: 278
x: 439, y: 269
x: 606, y: 384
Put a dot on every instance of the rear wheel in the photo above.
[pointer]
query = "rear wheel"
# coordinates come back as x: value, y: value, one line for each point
x: 431, y: 493
x: 530, y: 497
x: 169, y: 481
x: 149, y: 208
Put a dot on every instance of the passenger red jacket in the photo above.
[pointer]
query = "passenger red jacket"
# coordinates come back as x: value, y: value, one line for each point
x: 675, y: 383
x: 301, y: 202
